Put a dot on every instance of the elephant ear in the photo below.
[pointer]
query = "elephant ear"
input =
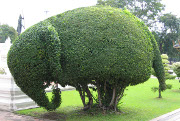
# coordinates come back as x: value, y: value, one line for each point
x: 34, y: 62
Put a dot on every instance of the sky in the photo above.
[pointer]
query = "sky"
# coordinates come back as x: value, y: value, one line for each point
x: 172, y: 6
x: 34, y: 10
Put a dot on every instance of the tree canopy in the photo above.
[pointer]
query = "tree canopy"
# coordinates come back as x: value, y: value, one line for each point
x: 147, y: 10
x: 168, y: 33
x: 7, y: 31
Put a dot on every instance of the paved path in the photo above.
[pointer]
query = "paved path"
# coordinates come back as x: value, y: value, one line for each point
x: 9, y: 116
x: 172, y: 116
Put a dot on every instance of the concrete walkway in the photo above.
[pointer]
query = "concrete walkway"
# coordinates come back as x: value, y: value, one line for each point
x: 172, y: 116
x: 9, y: 116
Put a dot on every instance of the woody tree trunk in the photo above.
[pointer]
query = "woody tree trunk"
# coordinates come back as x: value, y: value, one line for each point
x: 109, y: 97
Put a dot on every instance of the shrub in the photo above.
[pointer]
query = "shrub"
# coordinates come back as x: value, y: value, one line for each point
x: 167, y: 67
x: 104, y: 46
x: 34, y: 62
x: 2, y: 71
x: 176, y: 68
x: 168, y: 86
x: 165, y: 62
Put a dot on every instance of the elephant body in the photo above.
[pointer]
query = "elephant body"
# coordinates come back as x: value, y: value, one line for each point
x: 85, y: 44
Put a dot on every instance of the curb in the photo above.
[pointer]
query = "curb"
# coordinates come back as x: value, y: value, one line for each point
x: 171, y: 116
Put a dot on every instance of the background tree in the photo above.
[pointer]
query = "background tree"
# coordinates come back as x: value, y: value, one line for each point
x: 7, y: 31
x: 168, y: 33
x: 147, y: 10
x: 150, y: 12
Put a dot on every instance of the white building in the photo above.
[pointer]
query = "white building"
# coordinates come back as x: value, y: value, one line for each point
x: 11, y: 97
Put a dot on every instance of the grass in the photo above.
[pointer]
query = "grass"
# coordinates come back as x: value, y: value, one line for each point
x: 139, y: 104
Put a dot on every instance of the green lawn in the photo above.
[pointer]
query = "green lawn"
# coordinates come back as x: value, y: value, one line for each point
x: 139, y: 104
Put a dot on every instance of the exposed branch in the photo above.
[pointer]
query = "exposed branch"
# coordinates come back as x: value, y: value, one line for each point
x: 82, y: 95
x: 99, y: 94
x: 89, y: 96
x: 105, y: 86
x: 118, y: 98
x: 113, y: 97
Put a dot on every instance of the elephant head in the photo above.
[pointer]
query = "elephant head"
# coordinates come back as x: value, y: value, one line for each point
x: 34, y: 63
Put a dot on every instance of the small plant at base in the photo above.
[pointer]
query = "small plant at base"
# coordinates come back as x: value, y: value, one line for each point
x: 2, y: 71
x: 155, y: 89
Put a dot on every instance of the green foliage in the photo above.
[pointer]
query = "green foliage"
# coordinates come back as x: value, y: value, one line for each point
x: 165, y: 62
x: 155, y: 89
x: 56, y: 98
x: 2, y: 71
x: 169, y: 32
x: 147, y: 10
x: 166, y: 67
x: 176, y: 68
x: 34, y: 62
x: 138, y: 105
x: 90, y: 43
x: 169, y: 86
x: 5, y: 31
x: 170, y: 22
x: 107, y: 45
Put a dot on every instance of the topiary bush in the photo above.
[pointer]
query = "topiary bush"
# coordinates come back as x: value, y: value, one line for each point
x: 167, y: 74
x: 166, y: 67
x: 104, y: 46
x: 34, y: 62
x: 176, y: 68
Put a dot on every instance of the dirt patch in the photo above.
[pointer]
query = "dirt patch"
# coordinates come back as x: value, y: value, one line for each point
x: 54, y: 116
x: 97, y: 111
x: 157, y: 98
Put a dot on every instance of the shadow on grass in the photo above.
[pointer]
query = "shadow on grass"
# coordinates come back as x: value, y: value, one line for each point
x: 76, y: 113
x: 53, y: 116
x: 177, y: 90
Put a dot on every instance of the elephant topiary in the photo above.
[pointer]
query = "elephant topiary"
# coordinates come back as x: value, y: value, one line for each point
x: 107, y: 47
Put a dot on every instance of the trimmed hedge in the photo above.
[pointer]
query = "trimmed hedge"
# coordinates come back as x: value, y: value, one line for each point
x: 107, y: 45
x: 166, y: 67
x: 176, y: 68
x: 34, y: 62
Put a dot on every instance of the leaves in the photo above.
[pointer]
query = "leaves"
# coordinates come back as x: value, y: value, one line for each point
x: 108, y: 45
x: 147, y: 10
x: 7, y: 31
x: 176, y: 68
x: 34, y: 62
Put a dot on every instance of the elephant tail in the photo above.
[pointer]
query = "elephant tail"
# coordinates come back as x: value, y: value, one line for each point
x: 158, y: 65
